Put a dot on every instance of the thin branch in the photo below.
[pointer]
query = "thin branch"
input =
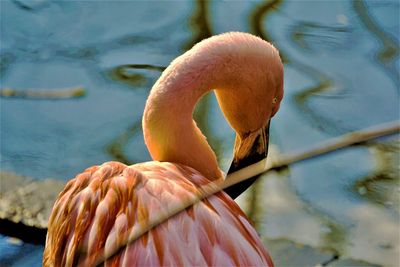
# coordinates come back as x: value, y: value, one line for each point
x: 319, y: 149
x: 62, y: 93
x: 256, y: 169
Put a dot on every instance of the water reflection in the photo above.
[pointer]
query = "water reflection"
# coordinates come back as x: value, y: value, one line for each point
x: 388, y: 53
x: 134, y: 74
x: 199, y: 23
x: 6, y: 59
x: 257, y: 18
x: 340, y: 75
x: 117, y: 146
x: 311, y: 36
x: 383, y: 185
x: 30, y: 5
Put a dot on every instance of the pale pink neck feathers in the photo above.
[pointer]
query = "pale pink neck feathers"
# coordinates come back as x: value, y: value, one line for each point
x: 247, y: 75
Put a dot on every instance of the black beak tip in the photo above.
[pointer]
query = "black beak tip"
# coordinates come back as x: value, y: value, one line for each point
x: 257, y: 152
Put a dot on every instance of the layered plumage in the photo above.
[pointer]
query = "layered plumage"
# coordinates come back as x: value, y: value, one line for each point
x: 100, y: 207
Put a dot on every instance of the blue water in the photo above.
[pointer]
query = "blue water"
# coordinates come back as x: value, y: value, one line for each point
x: 341, y: 74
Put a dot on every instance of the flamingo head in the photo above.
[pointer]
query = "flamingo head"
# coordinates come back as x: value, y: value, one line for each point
x: 255, y: 81
x: 246, y: 73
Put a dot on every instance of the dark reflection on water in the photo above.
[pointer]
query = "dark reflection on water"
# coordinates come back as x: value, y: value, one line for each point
x: 257, y: 18
x: 199, y: 23
x: 116, y: 147
x: 378, y: 186
x: 341, y: 74
x: 31, y: 6
x: 322, y: 82
x: 389, y: 49
x: 131, y: 75
x: 6, y: 59
x: 308, y: 34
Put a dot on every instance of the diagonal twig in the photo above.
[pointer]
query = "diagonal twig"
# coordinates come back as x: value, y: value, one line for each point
x: 322, y: 148
x: 261, y: 167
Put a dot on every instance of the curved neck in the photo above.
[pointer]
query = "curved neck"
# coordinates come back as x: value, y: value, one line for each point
x: 246, y: 73
x: 169, y: 130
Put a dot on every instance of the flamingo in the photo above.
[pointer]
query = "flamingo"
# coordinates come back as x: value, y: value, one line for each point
x: 97, y: 209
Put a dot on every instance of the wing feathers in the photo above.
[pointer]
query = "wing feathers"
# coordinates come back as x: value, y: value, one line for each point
x: 97, y: 211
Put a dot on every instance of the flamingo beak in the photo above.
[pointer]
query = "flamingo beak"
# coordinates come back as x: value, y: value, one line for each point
x: 249, y: 149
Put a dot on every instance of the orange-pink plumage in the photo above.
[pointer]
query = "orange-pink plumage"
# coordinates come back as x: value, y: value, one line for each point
x: 100, y: 208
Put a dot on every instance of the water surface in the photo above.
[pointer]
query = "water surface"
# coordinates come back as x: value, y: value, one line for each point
x: 341, y: 74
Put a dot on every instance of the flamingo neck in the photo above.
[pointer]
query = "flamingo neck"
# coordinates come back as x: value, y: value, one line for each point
x: 246, y: 73
x: 170, y: 132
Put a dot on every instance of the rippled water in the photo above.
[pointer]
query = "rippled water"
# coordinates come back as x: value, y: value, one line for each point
x: 341, y: 74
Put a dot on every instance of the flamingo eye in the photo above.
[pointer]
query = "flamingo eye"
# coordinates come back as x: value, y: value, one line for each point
x: 275, y: 100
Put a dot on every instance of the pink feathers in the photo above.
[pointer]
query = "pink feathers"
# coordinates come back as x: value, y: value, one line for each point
x: 110, y: 200
x: 102, y: 206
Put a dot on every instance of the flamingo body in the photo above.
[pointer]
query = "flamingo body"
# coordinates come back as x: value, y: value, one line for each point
x: 99, y: 210
x: 98, y: 207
